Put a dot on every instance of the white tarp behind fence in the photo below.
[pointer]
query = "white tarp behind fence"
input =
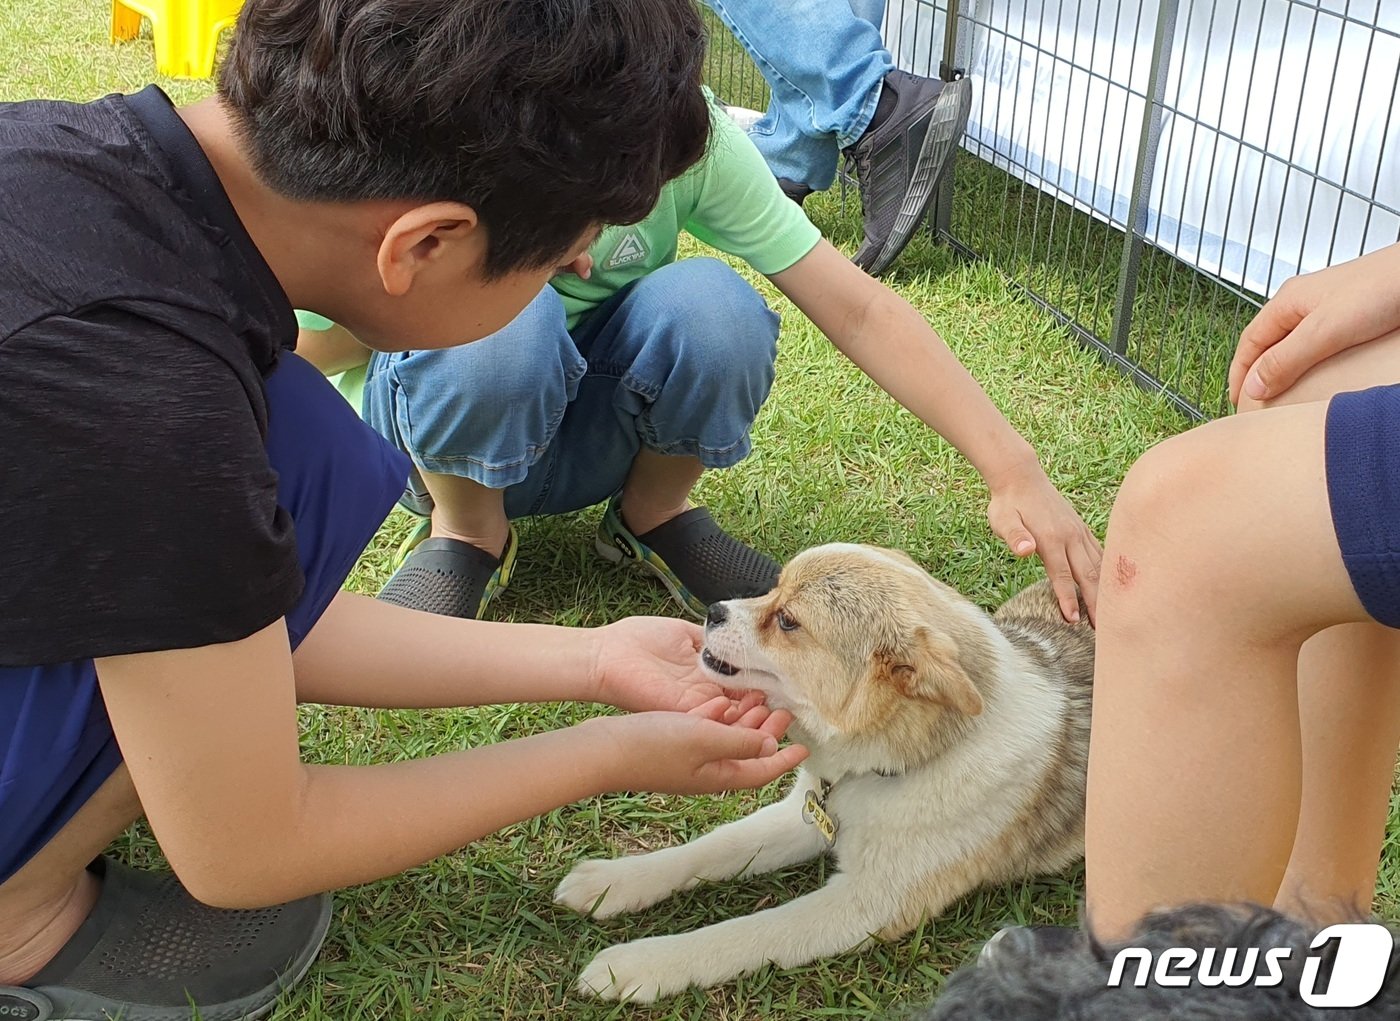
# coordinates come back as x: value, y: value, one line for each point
x: 1280, y: 135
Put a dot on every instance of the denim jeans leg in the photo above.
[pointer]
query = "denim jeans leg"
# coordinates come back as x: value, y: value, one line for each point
x: 824, y: 62
x: 680, y: 363
x: 485, y: 411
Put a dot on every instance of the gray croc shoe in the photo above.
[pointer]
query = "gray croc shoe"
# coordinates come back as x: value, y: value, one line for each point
x: 699, y: 562
x: 448, y: 576
x: 151, y: 952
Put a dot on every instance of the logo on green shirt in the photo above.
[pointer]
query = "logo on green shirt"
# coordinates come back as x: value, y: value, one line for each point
x: 631, y: 249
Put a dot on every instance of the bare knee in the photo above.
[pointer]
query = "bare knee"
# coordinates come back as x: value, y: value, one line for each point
x: 1168, y: 543
x: 1161, y: 488
x: 1212, y: 528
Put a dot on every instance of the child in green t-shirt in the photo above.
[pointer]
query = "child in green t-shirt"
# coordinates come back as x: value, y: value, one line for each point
x: 633, y: 373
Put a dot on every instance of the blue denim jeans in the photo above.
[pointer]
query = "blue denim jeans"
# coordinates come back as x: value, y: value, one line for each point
x: 824, y: 62
x: 679, y: 362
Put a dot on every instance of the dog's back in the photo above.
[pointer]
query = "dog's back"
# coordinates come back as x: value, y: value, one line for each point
x: 1032, y: 621
x: 1063, y: 654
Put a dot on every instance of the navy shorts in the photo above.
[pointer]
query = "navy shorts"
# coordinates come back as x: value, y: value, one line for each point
x: 1363, y: 485
x: 336, y: 478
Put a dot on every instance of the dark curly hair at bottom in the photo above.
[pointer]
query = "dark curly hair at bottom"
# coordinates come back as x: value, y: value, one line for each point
x: 1073, y: 985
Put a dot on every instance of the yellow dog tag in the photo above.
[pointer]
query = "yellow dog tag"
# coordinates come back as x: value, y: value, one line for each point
x: 814, y: 812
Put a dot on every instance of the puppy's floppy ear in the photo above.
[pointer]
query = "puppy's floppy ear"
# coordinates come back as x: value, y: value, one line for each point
x: 930, y: 669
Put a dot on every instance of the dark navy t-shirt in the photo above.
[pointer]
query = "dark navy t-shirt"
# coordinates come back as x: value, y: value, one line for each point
x: 156, y: 440
x: 138, y: 510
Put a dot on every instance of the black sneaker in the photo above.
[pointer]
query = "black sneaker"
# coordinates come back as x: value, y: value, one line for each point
x: 900, y: 158
x: 699, y: 562
x: 151, y: 952
x: 794, y: 190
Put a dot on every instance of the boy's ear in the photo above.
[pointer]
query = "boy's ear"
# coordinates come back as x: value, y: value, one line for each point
x: 422, y: 235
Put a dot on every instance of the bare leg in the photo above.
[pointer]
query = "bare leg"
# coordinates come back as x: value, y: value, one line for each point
x: 1374, y: 364
x: 1221, y: 561
x: 1349, y: 696
x: 658, y: 489
x: 465, y: 509
x: 1349, y: 693
x: 42, y: 905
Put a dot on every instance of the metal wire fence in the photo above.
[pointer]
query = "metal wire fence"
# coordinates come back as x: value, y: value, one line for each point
x: 1148, y: 170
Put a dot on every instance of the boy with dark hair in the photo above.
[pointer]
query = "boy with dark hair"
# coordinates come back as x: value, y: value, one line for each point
x: 627, y: 382
x: 418, y: 168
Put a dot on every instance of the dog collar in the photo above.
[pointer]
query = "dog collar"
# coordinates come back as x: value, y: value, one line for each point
x: 814, y: 807
x: 814, y: 811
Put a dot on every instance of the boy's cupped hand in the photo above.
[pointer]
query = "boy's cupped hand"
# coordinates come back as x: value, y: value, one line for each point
x: 648, y: 663
x: 697, y: 752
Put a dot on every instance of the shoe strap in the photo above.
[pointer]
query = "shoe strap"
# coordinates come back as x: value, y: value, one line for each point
x: 684, y: 529
x: 19, y: 1004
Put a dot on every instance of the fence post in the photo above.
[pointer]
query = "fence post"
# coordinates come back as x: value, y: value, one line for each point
x: 941, y: 219
x: 1133, y: 240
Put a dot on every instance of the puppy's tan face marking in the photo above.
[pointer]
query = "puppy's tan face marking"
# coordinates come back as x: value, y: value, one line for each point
x: 851, y: 638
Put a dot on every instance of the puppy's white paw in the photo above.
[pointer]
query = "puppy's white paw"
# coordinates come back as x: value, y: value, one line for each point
x: 606, y: 887
x: 641, y: 972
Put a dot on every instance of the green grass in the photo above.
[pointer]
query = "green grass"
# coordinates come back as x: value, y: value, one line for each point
x: 474, y: 935
x: 1184, y: 324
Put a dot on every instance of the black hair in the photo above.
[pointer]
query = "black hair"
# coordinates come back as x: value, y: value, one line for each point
x: 548, y: 117
x: 1024, y: 983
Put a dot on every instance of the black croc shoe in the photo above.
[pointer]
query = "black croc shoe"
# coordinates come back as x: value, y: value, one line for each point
x: 696, y: 559
x: 151, y: 952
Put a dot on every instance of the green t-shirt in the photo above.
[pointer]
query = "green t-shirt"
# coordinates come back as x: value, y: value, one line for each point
x: 730, y: 200
x: 351, y: 382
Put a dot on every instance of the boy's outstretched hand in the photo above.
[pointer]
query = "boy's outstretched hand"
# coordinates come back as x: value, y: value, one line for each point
x: 696, y: 753
x: 1031, y: 516
x: 647, y: 663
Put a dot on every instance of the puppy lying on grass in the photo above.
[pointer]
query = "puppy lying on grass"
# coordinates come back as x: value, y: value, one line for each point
x: 948, y: 751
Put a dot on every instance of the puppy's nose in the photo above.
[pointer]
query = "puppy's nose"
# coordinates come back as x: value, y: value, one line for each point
x: 718, y: 615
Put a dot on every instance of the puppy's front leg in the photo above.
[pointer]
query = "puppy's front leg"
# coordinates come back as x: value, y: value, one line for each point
x: 841, y: 915
x: 769, y: 839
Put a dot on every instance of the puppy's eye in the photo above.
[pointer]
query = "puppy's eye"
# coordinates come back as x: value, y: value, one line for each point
x: 786, y: 621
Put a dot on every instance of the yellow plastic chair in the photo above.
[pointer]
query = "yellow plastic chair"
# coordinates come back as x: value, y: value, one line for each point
x: 186, y: 31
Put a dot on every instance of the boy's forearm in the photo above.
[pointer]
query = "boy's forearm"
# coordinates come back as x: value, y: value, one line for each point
x: 355, y: 824
x: 897, y: 348
x: 367, y: 653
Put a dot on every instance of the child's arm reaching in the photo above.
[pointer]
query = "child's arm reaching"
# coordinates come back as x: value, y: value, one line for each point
x: 894, y: 345
x: 210, y: 738
x: 423, y: 660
